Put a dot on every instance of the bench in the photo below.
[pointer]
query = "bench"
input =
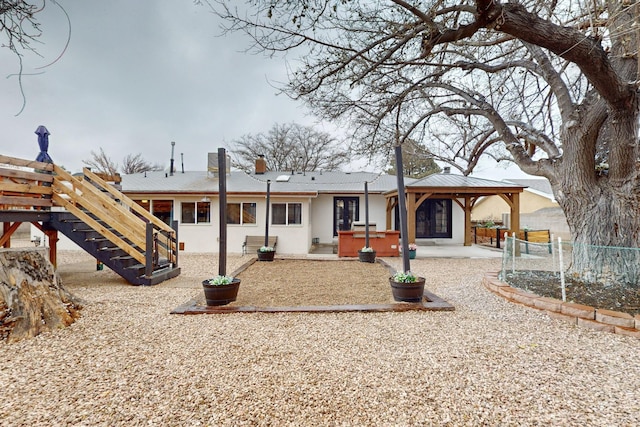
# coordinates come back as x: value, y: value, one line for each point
x: 253, y: 243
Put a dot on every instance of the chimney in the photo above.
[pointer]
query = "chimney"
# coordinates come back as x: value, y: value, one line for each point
x: 261, y: 165
x: 446, y: 169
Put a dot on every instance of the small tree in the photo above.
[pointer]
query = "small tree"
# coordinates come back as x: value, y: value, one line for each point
x: 290, y: 147
x: 417, y: 161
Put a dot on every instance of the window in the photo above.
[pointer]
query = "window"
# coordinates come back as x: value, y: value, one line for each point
x: 196, y: 212
x: 241, y: 213
x: 286, y: 213
x: 163, y: 210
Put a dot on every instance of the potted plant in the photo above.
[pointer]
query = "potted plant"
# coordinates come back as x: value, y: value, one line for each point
x: 412, y: 250
x: 266, y: 253
x: 221, y: 290
x: 407, y: 287
x: 367, y: 254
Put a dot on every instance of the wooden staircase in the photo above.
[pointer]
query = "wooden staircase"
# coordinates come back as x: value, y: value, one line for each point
x: 92, y: 213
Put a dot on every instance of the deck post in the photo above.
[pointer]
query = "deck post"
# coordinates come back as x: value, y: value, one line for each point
x: 148, y: 253
x: 174, y: 225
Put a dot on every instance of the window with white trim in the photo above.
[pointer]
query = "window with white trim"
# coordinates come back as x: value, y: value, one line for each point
x: 241, y: 213
x: 195, y: 212
x: 286, y: 213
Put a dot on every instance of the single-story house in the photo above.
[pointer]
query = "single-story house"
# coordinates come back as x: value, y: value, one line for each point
x: 308, y: 208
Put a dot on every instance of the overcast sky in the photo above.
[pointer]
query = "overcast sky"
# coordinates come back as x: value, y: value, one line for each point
x: 136, y: 76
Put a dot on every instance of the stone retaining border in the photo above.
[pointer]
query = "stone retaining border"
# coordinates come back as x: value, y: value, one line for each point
x: 581, y: 315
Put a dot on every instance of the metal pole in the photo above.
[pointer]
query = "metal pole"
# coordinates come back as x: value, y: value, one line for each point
x: 222, y: 190
x: 366, y: 214
x: 402, y: 207
x: 173, y: 144
x: 266, y: 225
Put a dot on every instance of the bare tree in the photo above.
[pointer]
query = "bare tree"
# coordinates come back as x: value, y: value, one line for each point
x: 290, y: 147
x: 18, y: 25
x: 551, y: 86
x: 20, y: 29
x: 101, y: 163
x: 134, y: 163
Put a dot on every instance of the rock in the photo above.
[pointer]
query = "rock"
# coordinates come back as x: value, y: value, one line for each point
x: 32, y: 298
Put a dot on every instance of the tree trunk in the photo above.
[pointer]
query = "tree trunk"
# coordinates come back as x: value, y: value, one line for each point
x: 605, y: 231
x: 32, y: 299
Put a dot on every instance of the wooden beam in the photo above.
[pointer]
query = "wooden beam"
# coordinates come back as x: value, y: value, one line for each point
x: 411, y: 217
x: 8, y: 229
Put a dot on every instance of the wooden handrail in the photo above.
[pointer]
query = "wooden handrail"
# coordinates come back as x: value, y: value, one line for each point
x: 23, y: 188
x: 80, y: 214
x: 105, y: 208
x: 129, y: 202
x: 26, y: 163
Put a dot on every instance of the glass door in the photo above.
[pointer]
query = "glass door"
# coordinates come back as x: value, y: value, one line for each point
x: 345, y: 211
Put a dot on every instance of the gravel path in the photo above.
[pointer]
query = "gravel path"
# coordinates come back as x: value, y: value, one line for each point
x: 128, y: 362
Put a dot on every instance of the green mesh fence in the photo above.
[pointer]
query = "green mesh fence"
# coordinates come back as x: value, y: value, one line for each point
x: 595, y: 274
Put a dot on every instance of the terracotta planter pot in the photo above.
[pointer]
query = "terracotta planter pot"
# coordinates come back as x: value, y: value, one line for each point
x: 266, y: 256
x: 407, y: 292
x: 367, y: 256
x: 220, y: 294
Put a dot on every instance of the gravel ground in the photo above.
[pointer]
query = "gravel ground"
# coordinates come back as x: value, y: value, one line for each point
x: 127, y: 361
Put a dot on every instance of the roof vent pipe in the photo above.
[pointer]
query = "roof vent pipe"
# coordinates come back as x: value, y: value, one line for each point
x: 446, y: 169
x: 173, y: 144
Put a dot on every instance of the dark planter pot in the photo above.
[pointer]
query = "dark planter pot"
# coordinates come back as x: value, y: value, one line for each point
x: 266, y: 256
x: 412, y: 254
x: 220, y: 294
x: 367, y: 256
x: 407, y: 292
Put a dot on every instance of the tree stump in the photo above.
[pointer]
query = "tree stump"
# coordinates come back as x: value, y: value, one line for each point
x: 32, y: 298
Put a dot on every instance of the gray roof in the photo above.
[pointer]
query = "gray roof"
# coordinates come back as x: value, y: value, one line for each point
x: 451, y: 180
x: 241, y: 182
x: 539, y: 184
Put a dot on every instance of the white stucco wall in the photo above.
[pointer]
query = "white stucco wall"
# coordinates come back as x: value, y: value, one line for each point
x: 317, y: 222
x: 292, y: 239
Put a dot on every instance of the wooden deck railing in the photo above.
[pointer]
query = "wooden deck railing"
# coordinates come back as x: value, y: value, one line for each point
x: 48, y: 185
x: 21, y: 188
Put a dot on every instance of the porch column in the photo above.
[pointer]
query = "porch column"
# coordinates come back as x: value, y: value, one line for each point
x: 389, y: 211
x: 467, y: 221
x: 411, y: 217
x: 515, y: 212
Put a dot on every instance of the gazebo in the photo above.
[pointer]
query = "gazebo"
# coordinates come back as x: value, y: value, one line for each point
x: 465, y: 191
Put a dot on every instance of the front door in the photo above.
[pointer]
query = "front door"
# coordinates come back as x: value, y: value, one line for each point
x: 345, y: 211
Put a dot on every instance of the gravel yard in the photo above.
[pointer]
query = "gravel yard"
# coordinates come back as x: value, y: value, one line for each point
x: 127, y: 361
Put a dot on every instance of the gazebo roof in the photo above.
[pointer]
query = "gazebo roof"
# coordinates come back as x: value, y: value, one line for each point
x: 460, y: 184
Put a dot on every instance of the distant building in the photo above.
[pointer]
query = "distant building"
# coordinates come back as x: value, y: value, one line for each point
x: 538, y: 208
